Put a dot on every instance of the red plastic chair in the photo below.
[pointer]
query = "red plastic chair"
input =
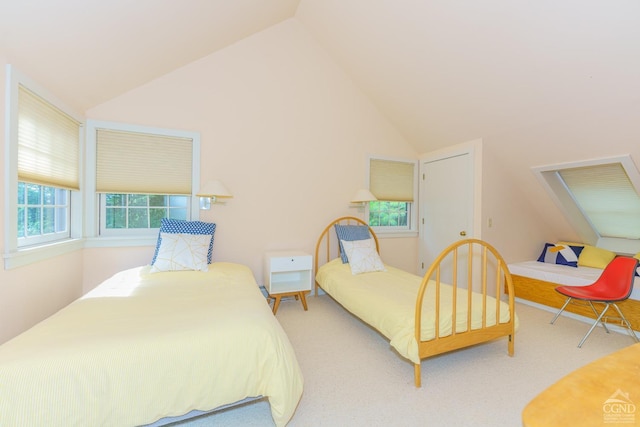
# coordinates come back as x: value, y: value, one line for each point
x: 614, y: 285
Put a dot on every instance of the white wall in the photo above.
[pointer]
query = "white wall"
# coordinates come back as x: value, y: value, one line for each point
x: 286, y: 131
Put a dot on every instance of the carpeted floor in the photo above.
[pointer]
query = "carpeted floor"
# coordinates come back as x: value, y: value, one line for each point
x: 354, y: 378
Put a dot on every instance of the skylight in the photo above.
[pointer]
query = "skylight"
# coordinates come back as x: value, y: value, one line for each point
x: 607, y: 198
x: 600, y: 199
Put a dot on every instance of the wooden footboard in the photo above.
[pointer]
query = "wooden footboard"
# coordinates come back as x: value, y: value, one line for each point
x: 471, y: 266
x: 542, y: 292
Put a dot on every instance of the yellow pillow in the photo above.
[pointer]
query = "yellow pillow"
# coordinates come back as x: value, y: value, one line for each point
x: 595, y: 257
x: 571, y: 244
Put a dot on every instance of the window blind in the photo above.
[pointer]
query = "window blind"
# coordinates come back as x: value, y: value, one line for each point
x: 391, y: 181
x: 130, y: 162
x: 607, y: 197
x: 48, y: 143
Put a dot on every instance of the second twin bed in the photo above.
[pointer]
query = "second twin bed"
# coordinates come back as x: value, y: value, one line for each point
x: 463, y: 287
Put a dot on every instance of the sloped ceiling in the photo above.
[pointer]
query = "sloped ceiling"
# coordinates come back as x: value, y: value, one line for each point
x: 94, y: 50
x: 444, y: 72
x: 447, y: 72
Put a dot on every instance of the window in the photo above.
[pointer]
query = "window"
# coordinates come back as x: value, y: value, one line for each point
x: 140, y: 211
x: 600, y: 199
x: 43, y: 216
x: 393, y: 182
x: 142, y: 175
x: 389, y: 214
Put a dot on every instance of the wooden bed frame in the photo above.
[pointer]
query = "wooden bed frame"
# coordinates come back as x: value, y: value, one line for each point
x: 479, y: 263
x: 542, y: 292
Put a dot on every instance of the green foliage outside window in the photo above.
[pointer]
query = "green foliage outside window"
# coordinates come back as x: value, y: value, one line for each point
x: 42, y: 210
x: 127, y: 211
x: 388, y: 214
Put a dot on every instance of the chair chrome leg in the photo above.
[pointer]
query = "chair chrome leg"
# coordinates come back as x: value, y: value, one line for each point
x: 626, y: 323
x: 594, y: 326
x: 566, y: 303
x: 604, y: 324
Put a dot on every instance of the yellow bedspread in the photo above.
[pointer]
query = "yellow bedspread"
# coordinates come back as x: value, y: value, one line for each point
x: 386, y: 300
x: 141, y: 347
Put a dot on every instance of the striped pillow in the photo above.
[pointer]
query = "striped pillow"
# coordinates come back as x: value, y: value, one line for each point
x: 350, y: 233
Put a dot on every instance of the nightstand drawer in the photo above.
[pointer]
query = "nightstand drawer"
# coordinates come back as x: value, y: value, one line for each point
x: 291, y: 263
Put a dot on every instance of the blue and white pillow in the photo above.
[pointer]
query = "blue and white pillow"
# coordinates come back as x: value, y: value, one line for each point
x: 350, y: 233
x: 178, y: 226
x: 560, y: 254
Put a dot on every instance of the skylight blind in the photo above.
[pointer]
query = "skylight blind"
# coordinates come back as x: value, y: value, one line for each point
x: 391, y: 181
x: 607, y: 197
x: 48, y: 143
x: 129, y: 162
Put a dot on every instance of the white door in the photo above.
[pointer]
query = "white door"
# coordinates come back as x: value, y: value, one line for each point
x: 447, y: 202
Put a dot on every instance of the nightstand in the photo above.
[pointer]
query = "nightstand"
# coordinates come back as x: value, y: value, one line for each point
x: 287, y: 273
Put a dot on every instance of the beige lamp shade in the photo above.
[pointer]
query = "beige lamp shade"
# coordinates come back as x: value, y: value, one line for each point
x: 214, y: 189
x: 210, y: 192
x: 362, y: 196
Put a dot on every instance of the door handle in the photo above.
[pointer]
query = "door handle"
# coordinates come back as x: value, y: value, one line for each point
x: 463, y: 233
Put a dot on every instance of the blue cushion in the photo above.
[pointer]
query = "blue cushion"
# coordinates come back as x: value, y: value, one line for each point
x: 175, y: 226
x: 560, y: 254
x: 351, y: 233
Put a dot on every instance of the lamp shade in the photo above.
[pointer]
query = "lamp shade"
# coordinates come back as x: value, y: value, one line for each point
x: 363, y: 195
x: 214, y: 188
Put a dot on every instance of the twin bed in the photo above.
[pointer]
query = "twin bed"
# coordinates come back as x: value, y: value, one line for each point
x: 144, y: 347
x: 415, y: 313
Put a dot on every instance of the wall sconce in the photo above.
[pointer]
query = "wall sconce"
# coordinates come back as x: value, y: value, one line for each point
x: 210, y: 193
x: 361, y: 197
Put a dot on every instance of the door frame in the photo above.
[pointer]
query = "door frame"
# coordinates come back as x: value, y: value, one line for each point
x: 474, y: 149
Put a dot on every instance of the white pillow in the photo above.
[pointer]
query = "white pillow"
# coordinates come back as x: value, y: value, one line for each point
x: 180, y: 252
x: 362, y: 255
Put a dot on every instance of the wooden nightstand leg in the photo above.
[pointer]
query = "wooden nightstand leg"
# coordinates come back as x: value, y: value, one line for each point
x: 276, y: 303
x: 303, y: 299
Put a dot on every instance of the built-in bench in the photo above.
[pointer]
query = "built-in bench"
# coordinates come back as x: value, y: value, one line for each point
x: 536, y: 282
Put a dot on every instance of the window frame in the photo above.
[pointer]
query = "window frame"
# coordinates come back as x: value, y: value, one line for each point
x: 44, y: 238
x: 550, y: 179
x: 411, y: 229
x: 14, y: 255
x: 93, y: 209
x: 128, y: 231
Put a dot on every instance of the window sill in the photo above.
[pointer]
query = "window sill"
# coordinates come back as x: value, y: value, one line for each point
x: 30, y: 255
x: 25, y: 256
x: 121, y: 241
x: 395, y: 234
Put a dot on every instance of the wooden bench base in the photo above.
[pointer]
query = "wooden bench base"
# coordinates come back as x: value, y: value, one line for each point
x: 544, y: 293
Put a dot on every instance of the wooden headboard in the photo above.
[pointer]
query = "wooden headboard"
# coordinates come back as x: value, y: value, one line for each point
x: 328, y: 245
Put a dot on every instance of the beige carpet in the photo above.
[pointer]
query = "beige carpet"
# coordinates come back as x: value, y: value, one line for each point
x: 354, y: 378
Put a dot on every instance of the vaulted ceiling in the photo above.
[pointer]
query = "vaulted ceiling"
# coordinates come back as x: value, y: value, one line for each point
x: 443, y: 72
x: 94, y: 50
